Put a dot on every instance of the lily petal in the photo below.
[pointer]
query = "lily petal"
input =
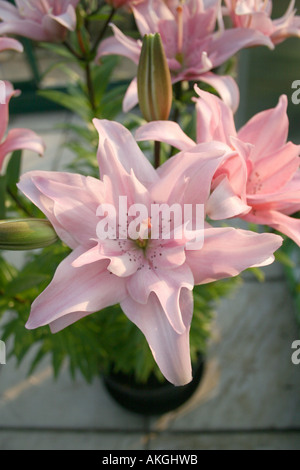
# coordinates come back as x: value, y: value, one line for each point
x: 215, y: 120
x: 10, y: 43
x: 199, y: 165
x: 227, y: 252
x: 75, y: 293
x: 223, y: 203
x: 68, y: 200
x: 226, y: 86
x: 125, y: 150
x: 167, y: 285
x: 171, y: 350
x: 267, y: 130
x: 25, y: 139
x: 120, y: 45
x: 165, y: 131
x: 4, y: 108
x: 285, y: 224
x: 131, y: 98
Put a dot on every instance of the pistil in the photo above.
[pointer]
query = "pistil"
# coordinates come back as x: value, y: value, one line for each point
x: 180, y: 29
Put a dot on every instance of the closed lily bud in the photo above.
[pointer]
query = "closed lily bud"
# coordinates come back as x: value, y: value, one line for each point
x: 26, y: 234
x: 154, y: 80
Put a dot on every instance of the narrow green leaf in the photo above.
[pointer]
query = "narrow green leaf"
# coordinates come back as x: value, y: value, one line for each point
x: 13, y: 171
x: 2, y: 196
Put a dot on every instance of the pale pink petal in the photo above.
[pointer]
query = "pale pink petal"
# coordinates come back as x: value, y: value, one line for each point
x: 227, y: 252
x: 165, y: 131
x: 167, y: 285
x: 120, y: 45
x: 75, y: 293
x: 126, y: 264
x: 274, y: 171
x: 226, y: 87
x: 197, y: 165
x: 53, y: 30
x: 215, y: 119
x: 8, y: 12
x: 47, y: 21
x: 286, y: 200
x: 171, y: 350
x: 26, y: 139
x: 285, y: 224
x: 10, y: 43
x: 267, y: 131
x: 131, y: 98
x: 68, y: 202
x: 92, y: 255
x: 28, y: 29
x: 148, y: 15
x: 166, y: 256
x: 4, y: 107
x: 233, y: 40
x: 125, y: 150
x: 223, y: 203
x: 67, y: 19
x: 237, y: 168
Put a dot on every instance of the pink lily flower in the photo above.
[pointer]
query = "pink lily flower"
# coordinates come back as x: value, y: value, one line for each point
x: 10, y: 43
x: 40, y: 20
x: 264, y: 173
x: 123, y: 3
x: 193, y: 46
x: 151, y: 278
x: 16, y: 139
x: 256, y: 15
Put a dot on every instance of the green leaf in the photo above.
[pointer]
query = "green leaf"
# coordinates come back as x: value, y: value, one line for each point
x: 58, y: 49
x: 23, y: 283
x: 7, y: 273
x: 258, y: 273
x: 75, y: 103
x: 2, y: 196
x: 13, y: 171
x: 284, y: 259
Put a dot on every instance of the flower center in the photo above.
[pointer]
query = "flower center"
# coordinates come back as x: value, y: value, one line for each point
x: 142, y: 243
x: 144, y: 234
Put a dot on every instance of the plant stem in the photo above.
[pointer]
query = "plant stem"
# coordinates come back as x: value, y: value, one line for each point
x: 178, y: 95
x: 103, y: 30
x: 90, y: 86
x: 72, y: 50
x: 157, y: 148
x: 19, y: 203
x: 176, y: 114
x: 81, y: 43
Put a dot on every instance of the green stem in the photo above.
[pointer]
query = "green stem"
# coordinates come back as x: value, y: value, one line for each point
x: 103, y: 30
x: 157, y: 148
x: 72, y: 50
x: 178, y: 94
x: 19, y: 203
x: 176, y: 114
x: 90, y: 86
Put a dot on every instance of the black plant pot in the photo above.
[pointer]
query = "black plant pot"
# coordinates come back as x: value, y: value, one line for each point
x: 154, y: 397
